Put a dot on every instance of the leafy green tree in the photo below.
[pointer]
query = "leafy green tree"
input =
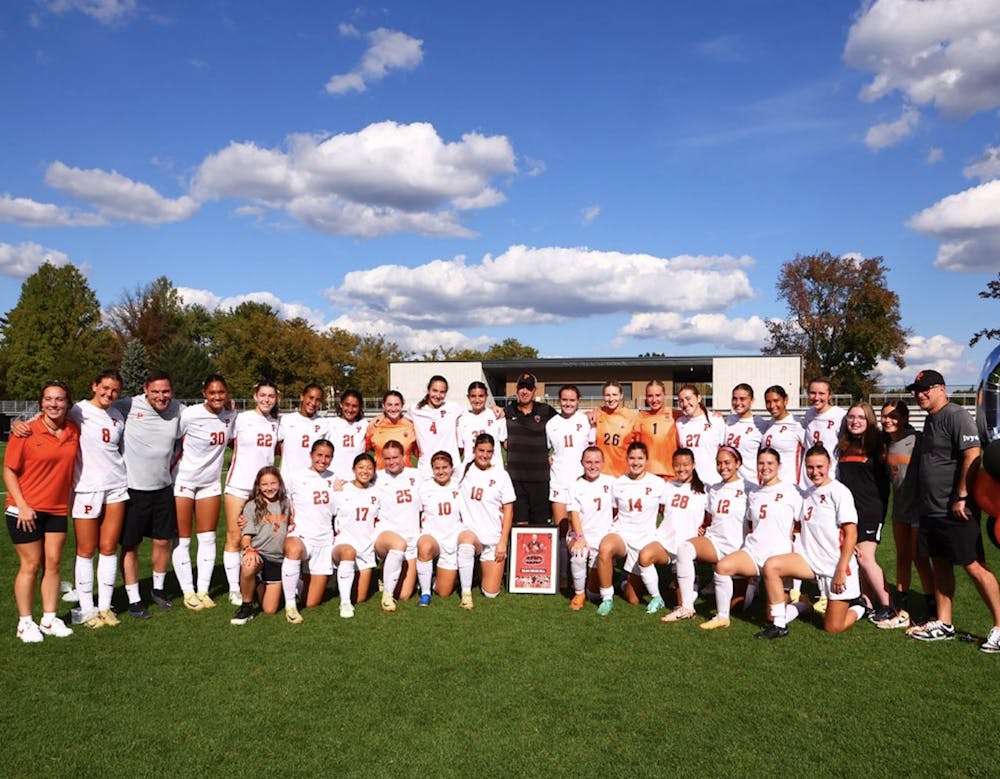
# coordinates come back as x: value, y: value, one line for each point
x: 992, y: 292
x: 54, y: 332
x: 188, y: 364
x: 842, y: 318
x: 371, y: 359
x: 135, y: 363
x: 153, y: 314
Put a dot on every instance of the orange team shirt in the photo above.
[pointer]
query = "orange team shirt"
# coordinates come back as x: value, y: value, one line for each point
x: 44, y: 466
x: 614, y: 434
x: 659, y: 434
x: 379, y: 435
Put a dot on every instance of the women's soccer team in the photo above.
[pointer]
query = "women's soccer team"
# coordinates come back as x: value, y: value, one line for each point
x: 422, y: 491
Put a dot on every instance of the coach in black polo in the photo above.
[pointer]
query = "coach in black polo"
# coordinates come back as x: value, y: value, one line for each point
x: 528, y: 454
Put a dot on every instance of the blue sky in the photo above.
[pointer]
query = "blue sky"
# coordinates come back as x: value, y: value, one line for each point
x: 593, y: 179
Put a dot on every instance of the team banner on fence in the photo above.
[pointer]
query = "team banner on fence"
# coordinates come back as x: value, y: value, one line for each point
x: 533, y: 560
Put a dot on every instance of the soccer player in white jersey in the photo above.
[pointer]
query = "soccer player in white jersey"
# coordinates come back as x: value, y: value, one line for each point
x: 683, y: 513
x: 206, y: 430
x: 783, y: 433
x: 347, y: 432
x: 744, y: 431
x: 591, y: 516
x: 357, y: 509
x: 398, y: 488
x: 568, y: 433
x: 698, y: 431
x: 100, y: 496
x: 255, y: 436
x: 638, y: 498
x: 439, y: 526
x: 299, y: 430
x: 487, y: 496
x: 773, y: 507
x: 310, y: 536
x: 478, y: 419
x: 826, y: 553
x: 822, y: 424
x: 436, y: 422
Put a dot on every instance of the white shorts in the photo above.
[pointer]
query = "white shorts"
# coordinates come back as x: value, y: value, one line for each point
x: 722, y: 547
x: 238, y: 492
x: 197, y: 492
x: 558, y: 493
x: 318, y: 558
x: 632, y: 548
x: 590, y: 552
x: 411, y: 546
x: 852, y: 589
x: 489, y: 554
x: 89, y: 505
x: 447, y: 551
x: 364, y: 551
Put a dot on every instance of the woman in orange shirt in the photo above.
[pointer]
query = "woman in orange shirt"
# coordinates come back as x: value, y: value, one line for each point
x: 38, y: 473
x: 655, y: 428
x: 391, y: 426
x: 614, y: 425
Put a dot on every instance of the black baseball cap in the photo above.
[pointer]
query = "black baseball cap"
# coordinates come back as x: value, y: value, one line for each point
x: 526, y: 380
x: 925, y: 380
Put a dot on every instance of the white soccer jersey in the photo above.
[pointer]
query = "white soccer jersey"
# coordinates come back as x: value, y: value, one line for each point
x: 399, y: 501
x: 205, y: 436
x: 348, y: 439
x: 703, y: 435
x: 745, y: 435
x: 825, y: 510
x: 472, y: 425
x: 683, y: 514
x: 437, y: 431
x: 357, y: 512
x: 312, y: 498
x: 99, y: 463
x: 567, y: 438
x: 638, y: 502
x: 254, y: 439
x: 821, y: 429
x: 441, y: 509
x: 297, y: 434
x: 484, y: 493
x: 785, y: 437
x: 727, y: 507
x: 593, y: 501
x: 771, y: 514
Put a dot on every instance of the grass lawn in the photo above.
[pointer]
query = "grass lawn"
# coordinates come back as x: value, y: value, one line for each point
x: 521, y: 686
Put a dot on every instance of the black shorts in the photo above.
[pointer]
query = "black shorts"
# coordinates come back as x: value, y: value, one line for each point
x: 270, y: 571
x: 957, y: 541
x: 150, y: 514
x: 44, y: 523
x: 869, y: 531
x: 531, y: 506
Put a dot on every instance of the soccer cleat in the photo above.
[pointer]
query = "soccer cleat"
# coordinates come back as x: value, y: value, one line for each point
x: 56, y: 628
x: 794, y: 595
x: 292, y: 614
x: 655, y: 605
x: 235, y: 598
x: 425, y: 599
x: 206, y: 601
x: 578, y: 600
x: 138, y: 611
x: 193, y: 602
x: 772, y: 631
x: 678, y: 614
x: 715, y: 623
x: 30, y: 634
x: 605, y: 608
x: 69, y: 595
x: 899, y: 620
x: 992, y: 643
x: 388, y: 602
x: 243, y: 614
x: 466, y: 602
x: 820, y: 605
x: 346, y: 610
x: 94, y: 621
x: 935, y: 630
x: 109, y: 618
x: 161, y: 600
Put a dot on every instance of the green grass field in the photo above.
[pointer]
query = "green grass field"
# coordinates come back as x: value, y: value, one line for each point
x: 521, y: 686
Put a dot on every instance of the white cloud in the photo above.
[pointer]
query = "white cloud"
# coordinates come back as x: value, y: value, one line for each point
x: 104, y: 11
x: 934, y: 155
x: 590, y: 213
x: 548, y: 284
x: 880, y: 136
x: 213, y: 302
x: 716, y: 329
x: 723, y: 48
x: 31, y: 213
x: 409, y: 339
x: 937, y: 351
x: 22, y: 260
x: 118, y: 197
x: 940, y: 52
x: 387, y: 50
x: 968, y: 224
x: 987, y: 167
x: 534, y: 167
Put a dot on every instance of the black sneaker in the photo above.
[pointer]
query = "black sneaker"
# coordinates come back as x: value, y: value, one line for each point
x: 882, y: 613
x: 161, y: 600
x: 138, y: 611
x: 243, y: 614
x: 772, y: 631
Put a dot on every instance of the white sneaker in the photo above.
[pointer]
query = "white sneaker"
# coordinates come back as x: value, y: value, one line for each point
x: 346, y: 610
x: 58, y: 628
x: 992, y: 643
x: 30, y: 634
x: 235, y: 598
